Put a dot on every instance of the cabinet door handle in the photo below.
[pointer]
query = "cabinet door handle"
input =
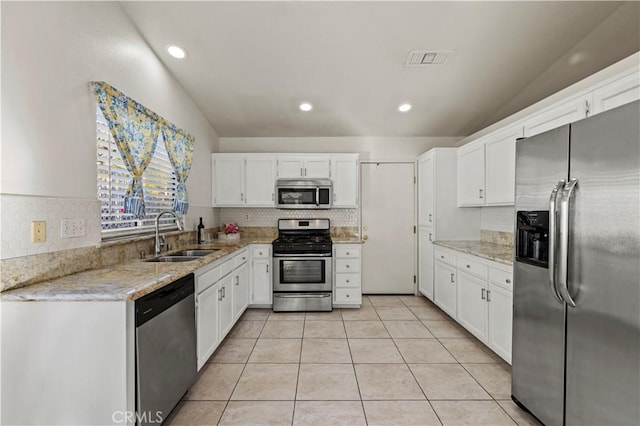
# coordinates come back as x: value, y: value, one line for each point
x: 482, y: 295
x: 452, y: 279
x: 237, y: 280
x: 224, y: 292
x: 267, y: 265
x: 305, y: 171
x: 219, y: 294
x: 488, y: 294
x: 480, y: 191
x: 273, y: 196
x: 430, y: 236
x: 508, y: 281
x: 242, y: 196
x: 301, y: 173
x: 430, y: 217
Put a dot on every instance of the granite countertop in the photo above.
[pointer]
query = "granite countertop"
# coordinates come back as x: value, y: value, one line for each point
x: 126, y: 281
x: 495, y: 252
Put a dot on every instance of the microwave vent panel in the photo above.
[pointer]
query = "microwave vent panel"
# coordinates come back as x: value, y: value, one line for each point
x: 422, y: 58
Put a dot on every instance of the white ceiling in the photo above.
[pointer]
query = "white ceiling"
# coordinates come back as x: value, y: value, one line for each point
x: 251, y: 63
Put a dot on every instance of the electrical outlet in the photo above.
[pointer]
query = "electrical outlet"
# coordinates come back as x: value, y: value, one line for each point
x: 247, y: 217
x: 38, y: 231
x: 71, y: 228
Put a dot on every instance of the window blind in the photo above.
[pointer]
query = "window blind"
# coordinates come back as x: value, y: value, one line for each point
x: 158, y: 180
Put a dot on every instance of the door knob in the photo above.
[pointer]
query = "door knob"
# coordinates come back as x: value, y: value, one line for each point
x: 365, y: 237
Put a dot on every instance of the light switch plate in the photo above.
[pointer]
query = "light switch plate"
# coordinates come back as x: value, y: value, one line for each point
x: 38, y: 231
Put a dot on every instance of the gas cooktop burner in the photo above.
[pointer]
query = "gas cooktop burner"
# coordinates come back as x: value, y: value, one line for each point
x: 303, y: 237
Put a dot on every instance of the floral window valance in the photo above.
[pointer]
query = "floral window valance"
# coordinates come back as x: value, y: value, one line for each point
x: 135, y: 130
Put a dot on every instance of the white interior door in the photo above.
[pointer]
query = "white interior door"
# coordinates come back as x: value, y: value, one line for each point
x: 388, y: 209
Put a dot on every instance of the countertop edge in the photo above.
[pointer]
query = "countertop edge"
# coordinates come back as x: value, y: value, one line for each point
x: 458, y: 246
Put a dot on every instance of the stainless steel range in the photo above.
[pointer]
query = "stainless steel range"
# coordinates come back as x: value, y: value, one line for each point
x: 302, y: 271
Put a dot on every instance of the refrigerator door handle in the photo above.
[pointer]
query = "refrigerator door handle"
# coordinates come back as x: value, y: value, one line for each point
x: 553, y: 232
x: 565, y: 205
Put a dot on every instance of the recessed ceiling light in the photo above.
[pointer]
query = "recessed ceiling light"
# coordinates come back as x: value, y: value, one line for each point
x: 404, y: 107
x: 306, y: 106
x: 176, y: 51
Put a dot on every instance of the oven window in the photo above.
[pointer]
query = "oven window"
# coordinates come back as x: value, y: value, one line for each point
x: 297, y: 196
x: 302, y: 271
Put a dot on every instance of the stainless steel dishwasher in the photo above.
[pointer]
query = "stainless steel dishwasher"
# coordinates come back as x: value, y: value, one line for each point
x: 165, y: 349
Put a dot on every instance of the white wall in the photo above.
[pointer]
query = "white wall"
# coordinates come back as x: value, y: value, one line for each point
x: 369, y: 148
x: 50, y: 53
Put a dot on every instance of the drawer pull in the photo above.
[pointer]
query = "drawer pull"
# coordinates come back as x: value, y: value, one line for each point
x: 468, y: 266
x: 348, y: 281
x: 441, y: 257
x: 348, y: 253
x: 348, y: 295
x: 347, y: 266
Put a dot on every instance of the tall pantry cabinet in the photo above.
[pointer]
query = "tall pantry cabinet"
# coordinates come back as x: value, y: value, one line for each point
x: 439, y: 218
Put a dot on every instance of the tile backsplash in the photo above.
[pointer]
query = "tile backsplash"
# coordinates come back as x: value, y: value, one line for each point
x: 269, y: 216
x: 18, y: 211
x: 497, y: 218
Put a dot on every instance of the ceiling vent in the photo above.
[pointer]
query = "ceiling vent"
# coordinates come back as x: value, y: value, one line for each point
x: 423, y: 58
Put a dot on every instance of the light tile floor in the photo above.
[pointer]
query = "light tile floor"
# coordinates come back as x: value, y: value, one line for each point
x: 398, y: 360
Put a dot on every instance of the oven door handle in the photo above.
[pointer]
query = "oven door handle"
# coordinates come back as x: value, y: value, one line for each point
x: 302, y: 256
x: 304, y: 296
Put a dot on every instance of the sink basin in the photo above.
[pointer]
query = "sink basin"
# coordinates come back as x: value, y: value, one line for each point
x: 196, y: 253
x: 182, y: 258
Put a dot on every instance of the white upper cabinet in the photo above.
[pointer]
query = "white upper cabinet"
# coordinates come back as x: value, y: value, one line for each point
x: 426, y: 189
x: 344, y: 173
x: 558, y: 115
x: 228, y: 181
x: 619, y: 92
x: 500, y: 166
x: 303, y: 167
x: 471, y: 174
x: 244, y: 180
x: 261, y: 181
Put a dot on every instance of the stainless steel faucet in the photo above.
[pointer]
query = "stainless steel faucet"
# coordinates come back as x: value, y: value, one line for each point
x: 160, y: 244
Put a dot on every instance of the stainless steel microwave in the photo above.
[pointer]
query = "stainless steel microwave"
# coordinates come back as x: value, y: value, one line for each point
x: 304, y: 193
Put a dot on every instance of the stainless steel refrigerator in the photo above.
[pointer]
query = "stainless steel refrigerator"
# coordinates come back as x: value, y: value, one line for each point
x: 576, y: 327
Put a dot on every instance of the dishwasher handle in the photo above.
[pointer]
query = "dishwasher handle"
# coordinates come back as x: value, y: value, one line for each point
x: 153, y: 304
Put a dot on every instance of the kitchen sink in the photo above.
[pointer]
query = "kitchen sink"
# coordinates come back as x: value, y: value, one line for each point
x: 179, y: 258
x: 194, y: 253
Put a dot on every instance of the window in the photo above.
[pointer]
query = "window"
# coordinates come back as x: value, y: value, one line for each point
x: 158, y: 180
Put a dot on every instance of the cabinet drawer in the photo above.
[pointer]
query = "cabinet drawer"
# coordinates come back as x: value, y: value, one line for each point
x: 348, y: 295
x: 260, y: 253
x: 347, y: 280
x: 347, y: 265
x: 502, y: 278
x: 207, y: 279
x: 347, y: 252
x: 240, y: 259
x: 445, y: 256
x: 226, y: 268
x: 473, y: 267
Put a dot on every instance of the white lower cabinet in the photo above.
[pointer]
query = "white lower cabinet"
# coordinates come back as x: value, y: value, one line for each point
x: 240, y: 291
x: 222, y: 295
x: 208, y: 335
x: 445, y: 287
x: 477, y: 293
x: 347, y: 278
x: 472, y: 306
x: 261, y: 287
x: 500, y: 302
x: 225, y: 297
